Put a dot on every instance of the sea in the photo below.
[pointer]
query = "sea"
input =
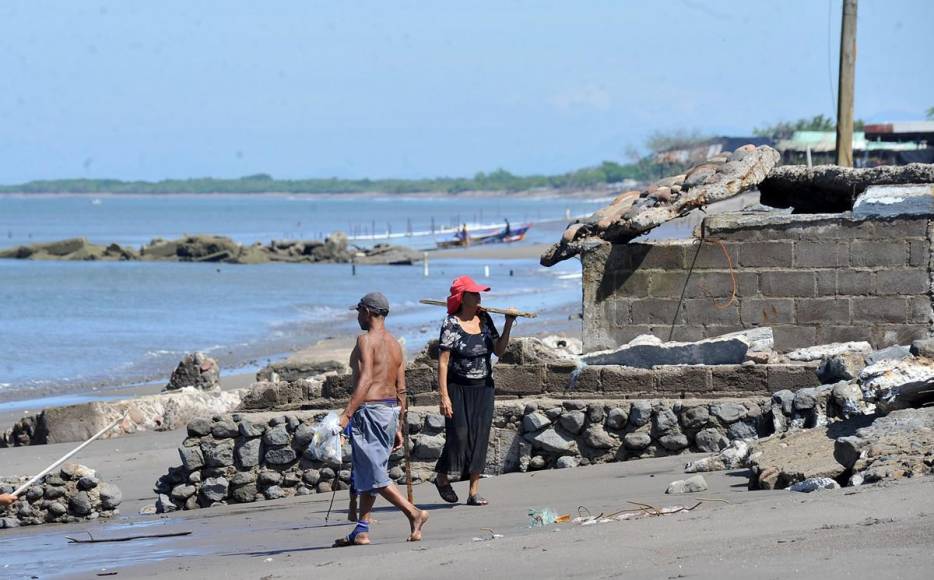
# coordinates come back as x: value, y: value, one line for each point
x: 73, y: 329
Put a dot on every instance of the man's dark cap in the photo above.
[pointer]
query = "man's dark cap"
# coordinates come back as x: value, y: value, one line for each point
x: 374, y: 302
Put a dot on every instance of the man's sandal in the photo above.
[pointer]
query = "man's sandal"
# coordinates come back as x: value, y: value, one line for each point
x: 351, y: 539
x: 446, y: 492
x: 476, y: 500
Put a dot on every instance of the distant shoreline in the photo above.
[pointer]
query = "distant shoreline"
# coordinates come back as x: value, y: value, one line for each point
x: 584, y: 193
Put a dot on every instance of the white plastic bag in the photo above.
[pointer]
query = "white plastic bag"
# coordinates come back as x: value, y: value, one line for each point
x: 325, y: 445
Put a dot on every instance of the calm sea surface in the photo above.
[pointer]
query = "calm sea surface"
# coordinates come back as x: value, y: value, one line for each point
x: 69, y: 327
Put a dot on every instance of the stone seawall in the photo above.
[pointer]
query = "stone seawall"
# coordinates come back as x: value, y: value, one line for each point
x: 241, y: 458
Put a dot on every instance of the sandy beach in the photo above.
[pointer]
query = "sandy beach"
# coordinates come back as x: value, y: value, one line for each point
x: 740, y: 534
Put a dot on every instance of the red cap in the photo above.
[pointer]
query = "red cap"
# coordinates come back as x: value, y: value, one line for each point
x: 458, y: 287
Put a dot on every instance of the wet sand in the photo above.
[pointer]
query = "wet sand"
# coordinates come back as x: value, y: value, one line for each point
x: 883, y: 531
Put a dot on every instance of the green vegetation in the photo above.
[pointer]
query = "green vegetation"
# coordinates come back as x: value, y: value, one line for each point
x: 785, y: 129
x: 930, y: 113
x: 499, y: 180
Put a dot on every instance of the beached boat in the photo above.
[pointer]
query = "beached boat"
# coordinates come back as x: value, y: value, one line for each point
x: 505, y: 235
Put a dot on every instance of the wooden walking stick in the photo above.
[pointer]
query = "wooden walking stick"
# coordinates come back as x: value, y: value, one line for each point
x: 65, y: 458
x: 405, y: 450
x: 490, y: 309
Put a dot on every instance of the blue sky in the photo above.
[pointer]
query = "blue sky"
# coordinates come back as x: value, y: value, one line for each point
x: 158, y: 89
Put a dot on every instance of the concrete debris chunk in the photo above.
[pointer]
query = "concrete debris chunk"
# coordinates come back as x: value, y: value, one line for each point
x: 644, y: 353
x: 894, y: 200
x: 816, y: 353
x: 690, y: 485
x: 896, y: 384
x: 635, y: 212
x: 814, y: 484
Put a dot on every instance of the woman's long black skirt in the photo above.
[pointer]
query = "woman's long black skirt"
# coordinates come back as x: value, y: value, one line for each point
x: 467, y: 433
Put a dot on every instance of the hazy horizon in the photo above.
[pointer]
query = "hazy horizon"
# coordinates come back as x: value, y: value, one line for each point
x: 140, y: 91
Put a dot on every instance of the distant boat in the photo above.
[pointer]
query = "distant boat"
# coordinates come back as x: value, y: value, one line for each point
x: 96, y: 201
x: 487, y: 236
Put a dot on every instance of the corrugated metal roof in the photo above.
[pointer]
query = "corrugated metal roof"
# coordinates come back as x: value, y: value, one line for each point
x: 822, y: 141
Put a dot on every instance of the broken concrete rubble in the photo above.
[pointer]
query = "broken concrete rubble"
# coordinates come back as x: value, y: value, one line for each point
x: 895, y: 384
x: 635, y: 212
x: 900, y: 444
x: 820, y: 352
x: 648, y: 351
x: 195, y: 370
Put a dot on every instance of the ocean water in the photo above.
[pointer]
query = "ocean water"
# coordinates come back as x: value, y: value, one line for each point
x: 72, y: 328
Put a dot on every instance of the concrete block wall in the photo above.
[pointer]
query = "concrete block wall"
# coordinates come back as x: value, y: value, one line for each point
x: 813, y: 278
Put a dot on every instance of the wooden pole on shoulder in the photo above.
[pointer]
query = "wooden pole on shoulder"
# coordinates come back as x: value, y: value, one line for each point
x: 846, y: 83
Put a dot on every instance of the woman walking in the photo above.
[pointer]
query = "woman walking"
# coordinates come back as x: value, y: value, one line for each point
x: 465, y: 379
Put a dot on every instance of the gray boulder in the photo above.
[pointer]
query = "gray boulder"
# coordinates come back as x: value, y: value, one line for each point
x: 535, y: 421
x: 573, y: 421
x: 710, y: 440
x: 598, y: 438
x: 278, y: 435
x: 674, y: 441
x: 248, y: 453
x: 637, y: 441
x: 695, y: 417
x: 195, y: 370
x: 665, y: 420
x: 214, y: 488
x: 220, y: 454
x: 640, y: 413
x: 553, y: 442
x: 427, y: 447
x: 690, y: 485
x: 728, y: 412
x: 616, y: 418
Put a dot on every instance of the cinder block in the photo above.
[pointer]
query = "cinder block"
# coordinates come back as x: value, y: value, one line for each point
x: 622, y: 312
x: 789, y: 337
x: 919, y: 253
x: 826, y: 282
x: 873, y: 253
x: 827, y: 334
x: 900, y: 228
x: 711, y: 256
x: 919, y: 310
x: 766, y: 254
x: 721, y: 284
x: 792, y: 377
x: 588, y: 380
x: 683, y: 333
x: 656, y: 311
x: 821, y: 254
x: 557, y: 378
x: 767, y: 311
x: 854, y: 282
x: 657, y: 256
x: 738, y: 378
x: 822, y: 310
x: 519, y: 379
x: 706, y: 311
x: 884, y: 335
x: 788, y: 283
x: 631, y: 284
x: 619, y: 379
x: 908, y: 282
x: 421, y: 379
x: 618, y: 336
x: 667, y: 284
x: 684, y: 380
x: 879, y: 309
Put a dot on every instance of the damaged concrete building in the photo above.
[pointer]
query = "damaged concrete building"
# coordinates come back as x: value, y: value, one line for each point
x: 805, y: 263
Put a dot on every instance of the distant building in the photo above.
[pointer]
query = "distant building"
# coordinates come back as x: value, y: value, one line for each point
x: 703, y: 151
x: 869, y: 147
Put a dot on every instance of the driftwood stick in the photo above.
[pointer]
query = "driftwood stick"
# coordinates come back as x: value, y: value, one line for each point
x: 490, y: 309
x: 66, y: 457
x: 94, y: 540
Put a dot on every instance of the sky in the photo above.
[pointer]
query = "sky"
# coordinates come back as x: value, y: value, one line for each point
x: 175, y: 89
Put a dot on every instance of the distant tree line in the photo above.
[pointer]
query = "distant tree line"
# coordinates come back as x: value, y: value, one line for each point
x: 785, y: 129
x: 608, y: 172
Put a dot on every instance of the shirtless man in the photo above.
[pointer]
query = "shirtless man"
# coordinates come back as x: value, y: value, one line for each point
x: 373, y: 412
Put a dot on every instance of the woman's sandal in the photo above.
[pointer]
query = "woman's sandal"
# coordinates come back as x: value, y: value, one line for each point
x: 446, y: 492
x: 476, y: 500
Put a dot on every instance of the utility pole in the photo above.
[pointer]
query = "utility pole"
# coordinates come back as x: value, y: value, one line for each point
x: 845, y: 91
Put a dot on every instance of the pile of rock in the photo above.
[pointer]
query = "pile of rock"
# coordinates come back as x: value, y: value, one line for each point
x: 195, y: 370
x: 72, y: 494
x: 207, y: 248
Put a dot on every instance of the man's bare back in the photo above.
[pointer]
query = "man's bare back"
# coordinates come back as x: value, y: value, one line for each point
x: 383, y: 353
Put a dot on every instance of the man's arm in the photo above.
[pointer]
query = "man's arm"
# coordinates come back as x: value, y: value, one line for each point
x: 364, y: 380
x: 7, y: 499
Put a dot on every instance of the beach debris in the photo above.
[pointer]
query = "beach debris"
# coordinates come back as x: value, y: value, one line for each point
x: 195, y: 370
x: 897, y: 384
x: 541, y: 517
x: 635, y: 212
x: 647, y: 350
x: 898, y: 445
x: 819, y: 352
x: 325, y: 445
x: 69, y: 494
x: 814, y: 484
x: 493, y: 535
x: 690, y: 485
x: 732, y: 457
x: 92, y: 540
